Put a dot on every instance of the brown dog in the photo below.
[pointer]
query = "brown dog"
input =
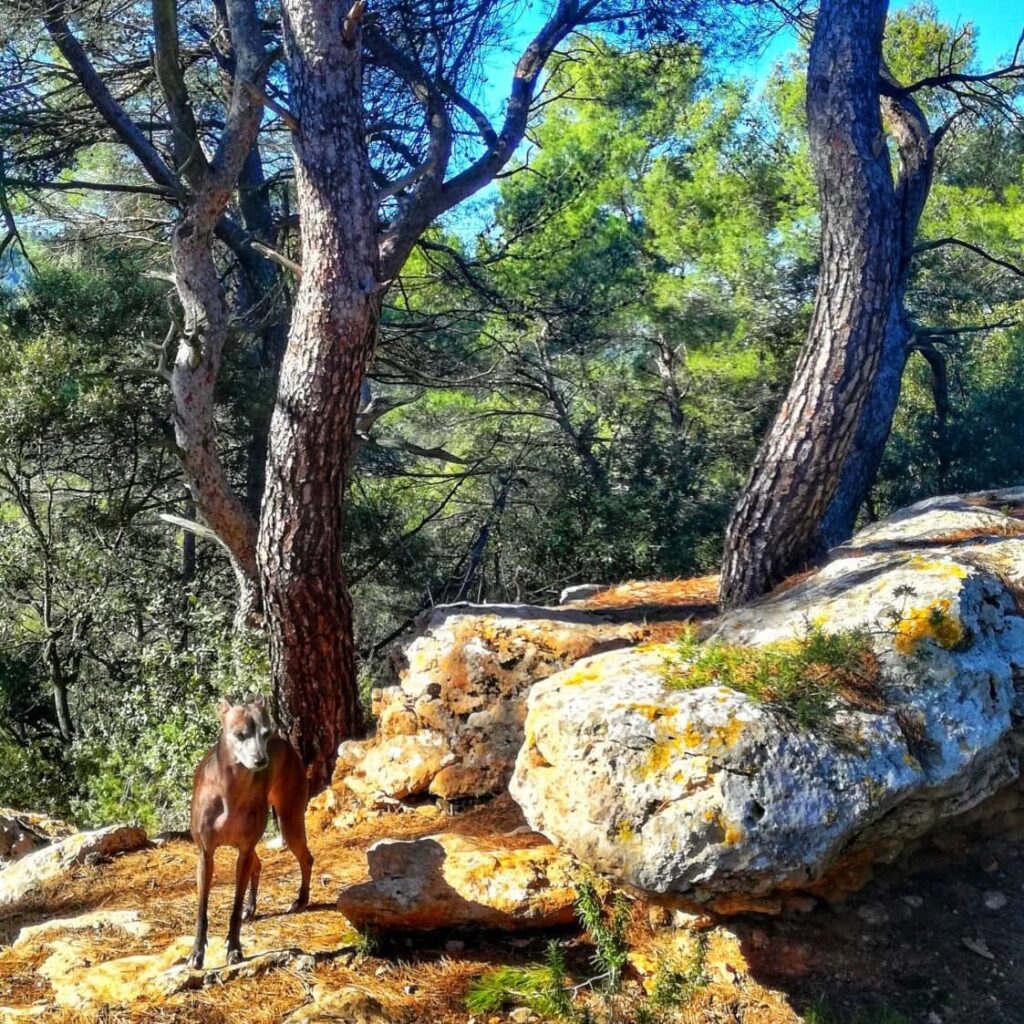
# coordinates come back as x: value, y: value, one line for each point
x: 250, y: 769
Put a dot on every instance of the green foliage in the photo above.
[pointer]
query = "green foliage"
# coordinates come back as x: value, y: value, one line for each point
x: 674, y: 986
x: 802, y: 678
x: 94, y: 596
x: 607, y: 935
x: 547, y: 989
x: 541, y: 987
x: 145, y: 778
x: 34, y: 776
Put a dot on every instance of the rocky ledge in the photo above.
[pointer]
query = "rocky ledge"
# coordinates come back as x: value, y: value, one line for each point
x: 454, y: 724
x: 797, y: 741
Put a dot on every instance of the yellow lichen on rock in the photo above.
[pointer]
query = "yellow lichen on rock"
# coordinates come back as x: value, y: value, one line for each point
x: 932, y: 622
x: 948, y: 569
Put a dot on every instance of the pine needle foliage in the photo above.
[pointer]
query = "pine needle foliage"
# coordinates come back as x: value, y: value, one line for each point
x: 544, y: 988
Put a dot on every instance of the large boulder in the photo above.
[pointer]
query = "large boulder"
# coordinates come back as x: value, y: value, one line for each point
x: 450, y: 880
x: 712, y: 796
x: 456, y: 717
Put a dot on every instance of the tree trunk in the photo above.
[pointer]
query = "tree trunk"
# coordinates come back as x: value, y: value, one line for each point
x: 193, y: 379
x: 865, y: 456
x: 916, y: 145
x: 332, y: 333
x: 264, y: 303
x: 774, y: 530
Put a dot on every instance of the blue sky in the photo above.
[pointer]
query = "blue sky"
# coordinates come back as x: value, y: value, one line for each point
x: 998, y: 24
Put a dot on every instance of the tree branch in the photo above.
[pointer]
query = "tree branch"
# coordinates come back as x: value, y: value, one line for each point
x: 437, y: 196
x: 189, y: 159
x: 55, y: 20
x: 949, y: 240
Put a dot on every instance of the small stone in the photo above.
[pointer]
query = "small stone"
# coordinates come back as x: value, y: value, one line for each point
x: 659, y: 917
x: 989, y: 864
x: 934, y: 1018
x: 521, y: 1015
x: 454, y: 946
x: 995, y: 900
x: 873, y: 913
x: 978, y: 946
x: 915, y: 902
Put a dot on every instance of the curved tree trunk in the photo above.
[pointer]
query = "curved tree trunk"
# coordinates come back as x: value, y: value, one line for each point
x: 774, y: 528
x: 332, y: 332
x: 916, y: 144
x: 865, y: 456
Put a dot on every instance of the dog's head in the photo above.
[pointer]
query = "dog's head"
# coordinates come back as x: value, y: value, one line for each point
x: 247, y: 730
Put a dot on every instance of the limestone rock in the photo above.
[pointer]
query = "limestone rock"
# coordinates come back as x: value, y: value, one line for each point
x: 22, y: 832
x: 348, y: 1003
x: 714, y: 797
x: 448, y: 880
x: 127, y: 921
x: 37, y: 869
x: 465, y: 678
x: 400, y: 765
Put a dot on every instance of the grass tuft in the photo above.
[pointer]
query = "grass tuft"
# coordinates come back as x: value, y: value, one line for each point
x: 805, y: 679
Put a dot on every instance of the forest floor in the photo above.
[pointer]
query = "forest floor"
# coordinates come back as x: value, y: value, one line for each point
x: 932, y: 947
x: 939, y: 946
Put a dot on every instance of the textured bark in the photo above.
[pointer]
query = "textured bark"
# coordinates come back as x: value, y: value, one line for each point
x: 265, y: 305
x: 193, y: 380
x: 311, y: 433
x: 196, y: 278
x: 916, y: 145
x: 774, y: 528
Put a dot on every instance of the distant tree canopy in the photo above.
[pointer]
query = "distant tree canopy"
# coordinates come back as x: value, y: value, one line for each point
x: 571, y: 381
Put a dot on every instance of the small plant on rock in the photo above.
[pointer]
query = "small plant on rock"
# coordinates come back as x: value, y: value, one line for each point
x: 805, y: 679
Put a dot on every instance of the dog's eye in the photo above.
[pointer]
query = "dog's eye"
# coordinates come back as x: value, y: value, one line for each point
x: 239, y: 736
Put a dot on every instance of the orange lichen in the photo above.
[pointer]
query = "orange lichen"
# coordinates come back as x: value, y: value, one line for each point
x: 931, y: 622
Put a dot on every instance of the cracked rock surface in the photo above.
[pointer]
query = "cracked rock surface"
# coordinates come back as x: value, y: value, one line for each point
x: 715, y: 798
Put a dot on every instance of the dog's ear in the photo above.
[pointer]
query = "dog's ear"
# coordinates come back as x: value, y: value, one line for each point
x: 223, y: 707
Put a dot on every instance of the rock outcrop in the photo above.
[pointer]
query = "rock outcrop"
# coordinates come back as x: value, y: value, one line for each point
x: 728, y: 800
x: 456, y: 718
x: 43, y: 867
x: 22, y: 832
x: 450, y: 880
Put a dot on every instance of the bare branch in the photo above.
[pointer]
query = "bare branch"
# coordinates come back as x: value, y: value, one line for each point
x: 275, y: 257
x: 977, y: 249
